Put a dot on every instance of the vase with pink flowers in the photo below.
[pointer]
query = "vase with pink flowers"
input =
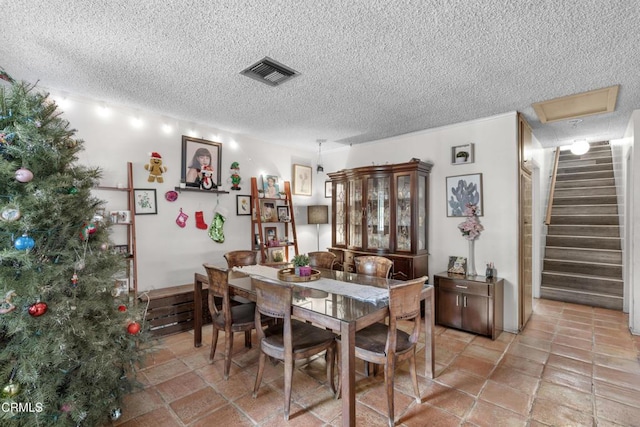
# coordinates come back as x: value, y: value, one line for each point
x: 470, y: 230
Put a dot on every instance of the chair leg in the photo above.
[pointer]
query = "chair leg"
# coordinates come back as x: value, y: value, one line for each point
x: 288, y: 379
x: 330, y: 360
x: 261, y: 361
x: 247, y: 339
x: 389, y: 369
x: 414, y: 377
x: 228, y: 341
x: 338, y: 364
x: 214, y: 344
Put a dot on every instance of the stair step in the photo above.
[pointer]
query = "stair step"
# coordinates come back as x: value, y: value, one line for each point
x: 584, y: 162
x: 606, y: 256
x: 581, y: 183
x: 590, y: 155
x: 585, y: 191
x: 584, y: 175
x: 612, y: 243
x: 583, y: 282
x: 597, y: 269
x: 585, y: 210
x: 582, y: 298
x: 583, y: 230
x: 585, y: 219
x: 586, y: 200
x: 585, y: 168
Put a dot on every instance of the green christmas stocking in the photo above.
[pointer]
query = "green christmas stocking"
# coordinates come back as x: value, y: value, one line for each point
x: 215, y: 229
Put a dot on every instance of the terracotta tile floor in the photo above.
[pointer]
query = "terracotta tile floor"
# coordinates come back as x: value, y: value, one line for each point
x: 572, y: 366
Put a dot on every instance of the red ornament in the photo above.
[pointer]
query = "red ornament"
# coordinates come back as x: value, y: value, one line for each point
x: 122, y: 308
x: 133, y: 328
x: 38, y: 309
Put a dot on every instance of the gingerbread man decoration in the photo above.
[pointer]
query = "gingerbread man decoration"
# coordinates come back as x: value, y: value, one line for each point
x: 155, y: 168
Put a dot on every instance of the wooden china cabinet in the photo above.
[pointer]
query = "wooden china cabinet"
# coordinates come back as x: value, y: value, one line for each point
x: 382, y: 210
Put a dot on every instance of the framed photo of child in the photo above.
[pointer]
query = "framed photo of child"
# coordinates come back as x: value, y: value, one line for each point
x: 199, y: 158
x: 269, y: 212
x: 271, y: 187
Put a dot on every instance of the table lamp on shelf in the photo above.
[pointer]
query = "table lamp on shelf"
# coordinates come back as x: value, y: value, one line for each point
x: 318, y: 214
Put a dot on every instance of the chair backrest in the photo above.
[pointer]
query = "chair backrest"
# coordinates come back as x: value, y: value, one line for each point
x: 404, y: 304
x: 372, y: 265
x: 218, y: 287
x: 240, y: 258
x: 274, y: 300
x: 322, y: 259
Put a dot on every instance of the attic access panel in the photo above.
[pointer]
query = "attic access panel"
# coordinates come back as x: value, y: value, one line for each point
x: 580, y: 105
x: 270, y: 72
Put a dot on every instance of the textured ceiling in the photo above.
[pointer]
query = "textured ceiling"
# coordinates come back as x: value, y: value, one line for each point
x: 369, y: 69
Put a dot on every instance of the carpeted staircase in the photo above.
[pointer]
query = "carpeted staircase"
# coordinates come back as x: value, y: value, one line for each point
x: 583, y: 257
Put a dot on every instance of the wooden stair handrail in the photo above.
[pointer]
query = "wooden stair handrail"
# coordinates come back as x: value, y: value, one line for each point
x: 552, y: 187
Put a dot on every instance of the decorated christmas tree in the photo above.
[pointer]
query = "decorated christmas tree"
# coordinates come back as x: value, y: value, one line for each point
x: 68, y: 348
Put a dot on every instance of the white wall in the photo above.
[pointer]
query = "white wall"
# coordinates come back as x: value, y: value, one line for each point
x: 626, y: 154
x: 167, y: 254
x: 496, y: 158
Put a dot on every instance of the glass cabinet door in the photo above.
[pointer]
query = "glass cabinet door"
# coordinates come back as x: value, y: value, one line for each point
x: 422, y: 212
x: 378, y: 215
x: 355, y: 213
x: 341, y: 213
x: 403, y: 213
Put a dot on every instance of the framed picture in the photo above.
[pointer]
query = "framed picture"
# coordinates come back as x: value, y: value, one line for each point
x: 198, y: 157
x: 276, y: 255
x: 463, y: 190
x: 271, y: 234
x: 268, y: 212
x: 302, y: 180
x: 327, y: 189
x: 145, y: 201
x: 457, y: 265
x: 283, y: 214
x: 256, y: 241
x: 243, y: 205
x: 120, y: 249
x: 270, y: 186
x: 462, y: 154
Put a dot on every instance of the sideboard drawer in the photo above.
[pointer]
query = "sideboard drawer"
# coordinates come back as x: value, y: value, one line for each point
x: 466, y: 287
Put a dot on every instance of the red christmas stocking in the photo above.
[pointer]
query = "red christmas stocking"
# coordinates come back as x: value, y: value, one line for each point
x: 181, y: 220
x: 200, y: 221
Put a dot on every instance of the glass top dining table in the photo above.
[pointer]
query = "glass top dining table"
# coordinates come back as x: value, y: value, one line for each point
x: 329, y: 307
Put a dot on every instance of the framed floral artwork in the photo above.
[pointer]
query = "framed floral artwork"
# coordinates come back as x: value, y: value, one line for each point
x: 327, y: 189
x: 302, y: 180
x: 243, y: 205
x: 145, y: 201
x: 463, y: 190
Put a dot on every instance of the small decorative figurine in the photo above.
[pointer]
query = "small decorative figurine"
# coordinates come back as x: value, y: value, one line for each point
x: 235, y: 176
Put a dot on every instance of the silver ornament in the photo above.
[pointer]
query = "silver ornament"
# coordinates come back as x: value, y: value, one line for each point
x: 116, y: 414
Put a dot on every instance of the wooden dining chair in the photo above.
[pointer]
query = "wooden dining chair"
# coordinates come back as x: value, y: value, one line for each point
x: 372, y: 265
x: 322, y: 259
x: 240, y: 258
x: 387, y: 345
x: 290, y: 339
x: 229, y: 318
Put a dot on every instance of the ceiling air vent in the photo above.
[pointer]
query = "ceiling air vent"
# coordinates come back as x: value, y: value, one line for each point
x: 270, y: 72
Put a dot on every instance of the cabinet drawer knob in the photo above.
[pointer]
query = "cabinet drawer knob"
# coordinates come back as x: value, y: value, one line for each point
x: 461, y: 286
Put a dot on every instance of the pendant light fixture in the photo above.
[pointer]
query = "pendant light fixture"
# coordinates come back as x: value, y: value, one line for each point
x: 579, y: 147
x: 320, y: 168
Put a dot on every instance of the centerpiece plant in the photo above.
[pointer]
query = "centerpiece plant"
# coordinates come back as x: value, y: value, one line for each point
x: 301, y: 265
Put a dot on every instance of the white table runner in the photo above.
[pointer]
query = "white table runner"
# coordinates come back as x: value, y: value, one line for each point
x: 359, y: 292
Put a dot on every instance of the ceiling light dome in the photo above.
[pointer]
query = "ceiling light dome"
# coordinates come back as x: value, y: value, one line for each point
x: 579, y: 147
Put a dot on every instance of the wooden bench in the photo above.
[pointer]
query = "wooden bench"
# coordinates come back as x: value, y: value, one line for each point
x: 172, y: 310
